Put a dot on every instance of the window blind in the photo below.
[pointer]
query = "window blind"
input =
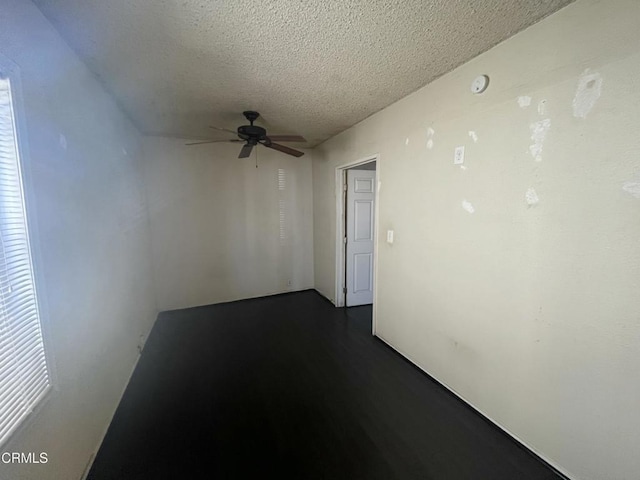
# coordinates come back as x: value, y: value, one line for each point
x: 24, y: 377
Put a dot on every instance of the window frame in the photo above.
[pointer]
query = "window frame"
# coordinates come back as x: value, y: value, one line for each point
x: 11, y: 71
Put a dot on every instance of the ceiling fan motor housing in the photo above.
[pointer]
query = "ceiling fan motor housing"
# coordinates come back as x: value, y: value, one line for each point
x: 247, y: 132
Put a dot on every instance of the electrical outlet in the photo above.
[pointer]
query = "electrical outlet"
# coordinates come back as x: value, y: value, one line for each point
x: 288, y: 283
x: 141, y: 344
x: 458, y: 156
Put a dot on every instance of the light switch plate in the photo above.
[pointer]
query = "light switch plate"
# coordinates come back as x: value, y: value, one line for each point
x: 458, y: 156
x: 389, y: 236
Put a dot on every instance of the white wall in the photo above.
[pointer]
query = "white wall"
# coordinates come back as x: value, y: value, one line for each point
x: 217, y: 221
x: 91, y: 240
x: 529, y: 312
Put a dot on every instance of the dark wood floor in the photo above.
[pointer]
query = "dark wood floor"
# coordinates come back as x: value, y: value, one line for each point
x: 289, y: 387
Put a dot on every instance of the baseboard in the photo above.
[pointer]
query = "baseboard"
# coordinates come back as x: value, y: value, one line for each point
x: 267, y: 295
x: 244, y: 299
x: 94, y: 454
x: 325, y: 297
x: 550, y: 463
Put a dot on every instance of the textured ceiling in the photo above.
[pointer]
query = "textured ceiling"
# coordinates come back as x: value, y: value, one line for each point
x: 310, y: 67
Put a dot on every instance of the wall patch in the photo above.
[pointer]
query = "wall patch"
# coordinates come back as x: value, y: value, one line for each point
x: 467, y: 206
x: 587, y: 93
x: 632, y: 188
x: 538, y: 133
x: 524, y: 101
x: 430, y: 132
x: 474, y: 136
x: 531, y: 197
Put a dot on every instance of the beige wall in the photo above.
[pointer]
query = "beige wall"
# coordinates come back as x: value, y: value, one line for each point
x: 223, y: 230
x: 91, y: 239
x: 527, y: 310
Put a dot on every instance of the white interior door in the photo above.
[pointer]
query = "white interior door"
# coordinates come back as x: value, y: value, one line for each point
x: 359, y: 220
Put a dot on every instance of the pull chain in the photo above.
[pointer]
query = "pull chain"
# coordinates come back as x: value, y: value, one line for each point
x: 256, y: 156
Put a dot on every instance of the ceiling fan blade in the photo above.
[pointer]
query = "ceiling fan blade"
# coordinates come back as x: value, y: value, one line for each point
x: 283, y: 149
x: 213, y: 141
x: 246, y: 151
x: 287, y: 138
x: 223, y: 129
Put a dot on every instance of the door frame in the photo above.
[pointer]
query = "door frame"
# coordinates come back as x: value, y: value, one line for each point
x: 341, y: 174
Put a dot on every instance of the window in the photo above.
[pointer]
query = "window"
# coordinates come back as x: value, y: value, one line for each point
x: 24, y: 377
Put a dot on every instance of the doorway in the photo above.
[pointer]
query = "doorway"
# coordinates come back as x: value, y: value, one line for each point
x: 356, y: 228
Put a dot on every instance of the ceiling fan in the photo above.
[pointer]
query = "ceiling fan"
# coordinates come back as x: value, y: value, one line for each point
x: 253, y: 135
